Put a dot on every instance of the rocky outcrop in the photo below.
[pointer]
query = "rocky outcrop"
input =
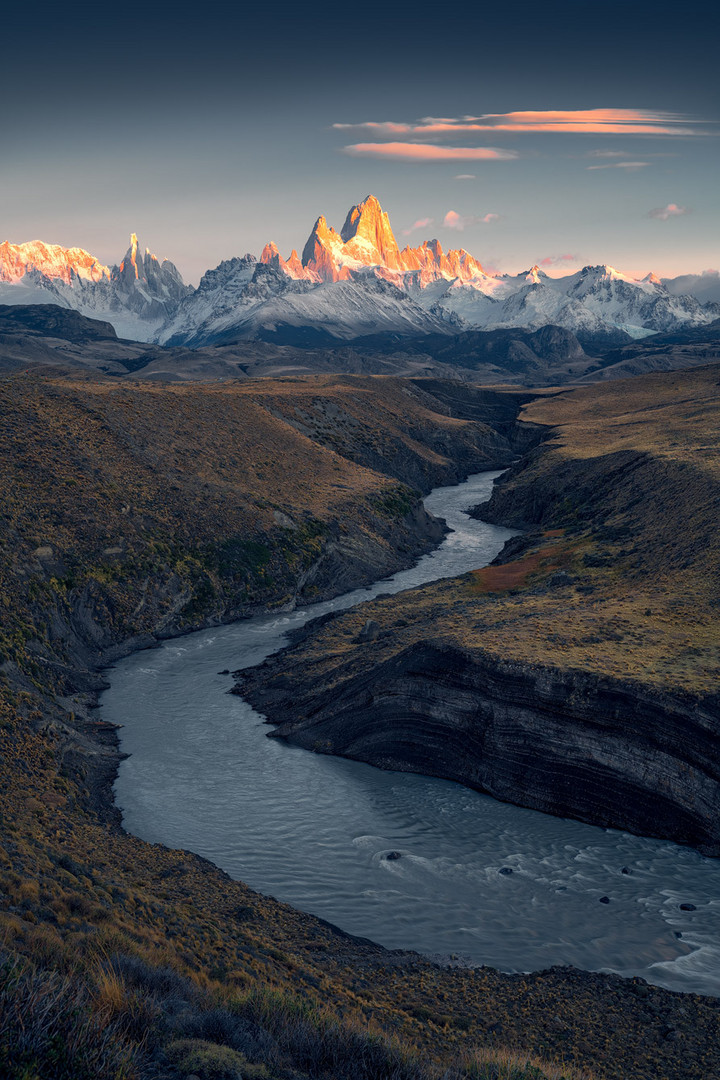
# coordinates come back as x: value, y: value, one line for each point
x: 601, y: 750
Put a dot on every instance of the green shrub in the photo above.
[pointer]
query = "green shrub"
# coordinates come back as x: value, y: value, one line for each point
x: 210, y: 1061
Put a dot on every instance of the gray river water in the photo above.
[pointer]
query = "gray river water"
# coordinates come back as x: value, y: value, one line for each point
x: 314, y: 830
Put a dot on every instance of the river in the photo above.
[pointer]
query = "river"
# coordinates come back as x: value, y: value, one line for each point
x: 315, y: 830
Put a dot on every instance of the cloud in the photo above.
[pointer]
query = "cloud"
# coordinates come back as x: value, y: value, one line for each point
x: 557, y: 260
x: 421, y: 223
x: 662, y: 213
x: 383, y: 127
x: 607, y: 153
x: 453, y: 220
x: 458, y: 223
x: 563, y: 121
x: 465, y: 176
x: 620, y: 165
x: 405, y: 151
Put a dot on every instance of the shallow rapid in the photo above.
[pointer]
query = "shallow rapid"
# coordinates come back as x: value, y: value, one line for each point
x: 315, y: 830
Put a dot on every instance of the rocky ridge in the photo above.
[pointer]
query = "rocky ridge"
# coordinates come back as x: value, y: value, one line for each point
x: 346, y: 286
x: 136, y: 296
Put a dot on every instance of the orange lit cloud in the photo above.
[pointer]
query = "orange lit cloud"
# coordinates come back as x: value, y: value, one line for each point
x: 406, y: 151
x: 557, y: 260
x: 564, y: 121
x: 421, y: 223
x: 457, y: 222
x: 662, y: 213
x: 620, y: 165
x: 379, y: 128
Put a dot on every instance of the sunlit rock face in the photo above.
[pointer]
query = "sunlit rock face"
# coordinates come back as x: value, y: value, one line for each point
x: 324, y: 256
x: 367, y: 241
x: 292, y: 267
x: 50, y: 260
x: 367, y: 236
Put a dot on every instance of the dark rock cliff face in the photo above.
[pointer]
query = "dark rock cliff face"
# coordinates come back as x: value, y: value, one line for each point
x: 601, y: 750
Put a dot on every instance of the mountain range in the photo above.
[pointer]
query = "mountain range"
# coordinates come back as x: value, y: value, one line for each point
x: 353, y: 286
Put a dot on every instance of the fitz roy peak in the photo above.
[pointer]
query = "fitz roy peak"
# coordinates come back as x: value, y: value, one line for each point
x: 346, y: 286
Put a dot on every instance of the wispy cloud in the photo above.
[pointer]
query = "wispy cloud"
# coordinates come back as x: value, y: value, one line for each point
x: 558, y: 260
x: 379, y: 128
x: 458, y: 222
x: 421, y: 223
x: 620, y: 165
x: 607, y: 153
x: 408, y: 151
x: 662, y: 213
x: 563, y: 121
x: 465, y: 176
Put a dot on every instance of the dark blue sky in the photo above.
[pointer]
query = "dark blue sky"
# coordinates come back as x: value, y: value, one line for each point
x: 209, y: 130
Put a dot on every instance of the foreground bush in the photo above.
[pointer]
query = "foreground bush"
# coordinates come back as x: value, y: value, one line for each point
x: 50, y: 1029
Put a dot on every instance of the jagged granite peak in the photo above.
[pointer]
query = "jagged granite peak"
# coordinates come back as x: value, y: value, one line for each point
x: 146, y: 286
x: 270, y: 256
x: 269, y: 253
x: 137, y: 266
x: 368, y: 237
x: 367, y: 242
x: 432, y: 263
x: 323, y: 253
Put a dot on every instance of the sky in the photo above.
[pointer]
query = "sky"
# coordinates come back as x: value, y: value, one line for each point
x: 562, y: 134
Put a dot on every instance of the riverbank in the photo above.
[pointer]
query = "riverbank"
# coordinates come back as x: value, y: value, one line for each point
x: 122, y: 511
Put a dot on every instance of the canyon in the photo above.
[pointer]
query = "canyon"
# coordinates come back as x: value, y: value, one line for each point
x: 579, y: 676
x: 137, y: 511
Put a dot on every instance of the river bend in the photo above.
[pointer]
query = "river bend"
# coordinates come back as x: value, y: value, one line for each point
x: 315, y: 830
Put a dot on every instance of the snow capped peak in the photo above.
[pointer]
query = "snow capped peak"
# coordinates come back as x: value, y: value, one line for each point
x: 51, y: 260
x: 535, y: 275
x: 603, y: 272
x: 652, y: 279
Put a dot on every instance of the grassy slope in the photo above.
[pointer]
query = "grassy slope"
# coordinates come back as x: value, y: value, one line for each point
x: 118, y: 503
